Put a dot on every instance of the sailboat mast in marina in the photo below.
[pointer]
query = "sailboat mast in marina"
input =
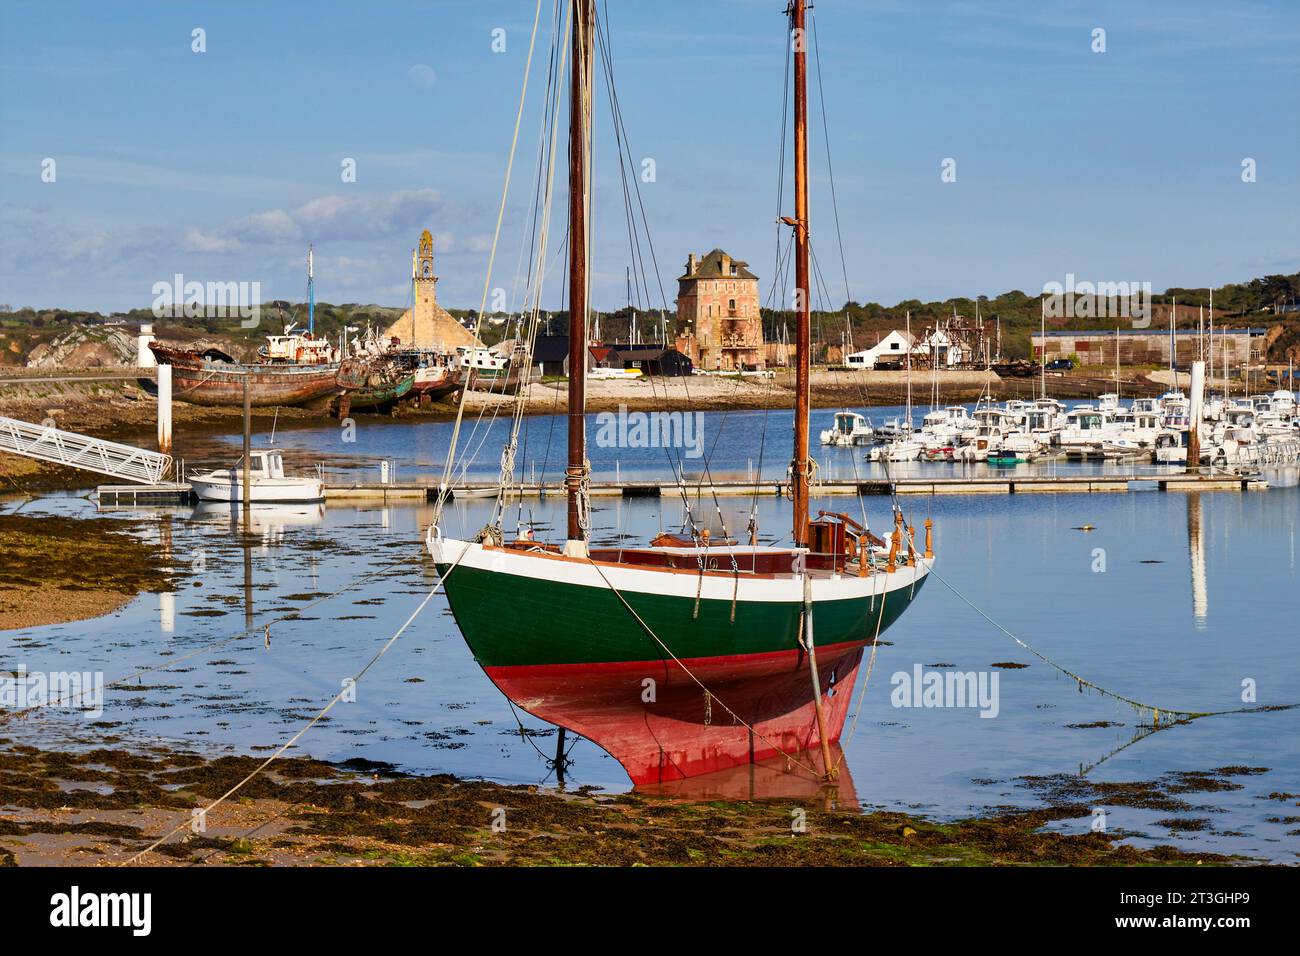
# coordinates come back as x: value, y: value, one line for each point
x: 575, y: 477
x: 803, y: 319
x: 693, y: 654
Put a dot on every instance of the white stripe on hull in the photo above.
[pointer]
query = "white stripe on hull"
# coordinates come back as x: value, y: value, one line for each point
x: 682, y: 582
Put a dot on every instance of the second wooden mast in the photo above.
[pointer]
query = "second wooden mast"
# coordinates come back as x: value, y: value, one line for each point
x: 579, y: 112
x: 799, y: 466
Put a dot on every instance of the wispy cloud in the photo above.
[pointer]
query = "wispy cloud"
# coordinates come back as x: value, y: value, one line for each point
x: 75, y: 168
x: 326, y: 218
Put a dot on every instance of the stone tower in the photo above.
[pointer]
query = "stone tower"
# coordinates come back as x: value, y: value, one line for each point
x: 426, y: 283
x: 719, y: 323
x: 428, y: 325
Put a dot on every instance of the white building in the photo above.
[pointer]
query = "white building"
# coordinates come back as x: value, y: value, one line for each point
x: 892, y: 348
x: 944, y: 350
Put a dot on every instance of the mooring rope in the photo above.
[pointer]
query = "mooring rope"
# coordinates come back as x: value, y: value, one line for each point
x: 1084, y: 682
x: 311, y: 723
x: 871, y: 661
x: 689, y: 673
x: 1081, y: 681
x: 347, y: 686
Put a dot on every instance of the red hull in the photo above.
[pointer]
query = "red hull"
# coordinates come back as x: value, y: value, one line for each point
x: 438, y: 386
x: 201, y: 382
x: 684, y: 732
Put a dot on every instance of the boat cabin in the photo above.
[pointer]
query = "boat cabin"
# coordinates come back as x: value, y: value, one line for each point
x: 847, y: 423
x: 1083, y: 419
x: 265, y: 463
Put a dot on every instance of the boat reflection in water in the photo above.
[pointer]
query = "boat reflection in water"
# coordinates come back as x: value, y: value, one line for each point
x: 1196, y: 551
x: 773, y: 779
x: 269, y: 520
x: 672, y: 735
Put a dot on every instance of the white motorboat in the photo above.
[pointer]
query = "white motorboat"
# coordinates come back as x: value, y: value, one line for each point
x: 992, y: 424
x: 1083, y: 428
x: 267, y: 482
x: 848, y: 430
x: 1021, y: 445
x: 901, y: 448
x: 1171, y: 447
x: 1045, y: 419
x: 1242, y: 448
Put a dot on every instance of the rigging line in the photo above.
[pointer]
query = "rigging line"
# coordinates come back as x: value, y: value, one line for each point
x: 1084, y: 682
x: 552, y: 78
x: 296, y: 737
x: 620, y: 137
x: 522, y: 388
x: 717, y: 509
x: 442, y: 581
x: 636, y: 183
x: 1081, y: 681
x: 487, y: 278
x: 208, y: 648
x: 782, y: 270
x: 539, y: 278
x: 633, y: 237
x: 689, y: 673
x: 826, y: 134
x: 762, y: 444
x: 780, y: 168
x: 871, y: 659
x: 627, y: 163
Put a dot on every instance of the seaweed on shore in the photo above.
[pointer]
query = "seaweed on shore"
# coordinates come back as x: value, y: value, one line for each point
x: 114, y: 803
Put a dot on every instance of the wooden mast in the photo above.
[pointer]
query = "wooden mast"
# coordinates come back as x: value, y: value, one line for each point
x: 579, y: 85
x: 799, y: 466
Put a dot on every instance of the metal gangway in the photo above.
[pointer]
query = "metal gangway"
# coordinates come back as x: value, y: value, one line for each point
x: 47, y: 443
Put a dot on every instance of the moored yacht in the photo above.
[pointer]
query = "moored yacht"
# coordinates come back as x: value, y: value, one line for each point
x: 847, y: 430
x: 267, y: 482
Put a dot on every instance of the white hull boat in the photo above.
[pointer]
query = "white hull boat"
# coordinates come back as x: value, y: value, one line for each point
x: 267, y: 482
x: 850, y: 429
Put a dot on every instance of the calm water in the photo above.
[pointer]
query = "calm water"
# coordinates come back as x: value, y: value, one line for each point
x: 1198, y: 594
x: 737, y: 444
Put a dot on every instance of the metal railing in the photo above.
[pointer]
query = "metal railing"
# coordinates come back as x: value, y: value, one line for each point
x: 46, y: 443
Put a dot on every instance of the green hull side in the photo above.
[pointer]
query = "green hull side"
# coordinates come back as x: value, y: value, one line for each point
x: 371, y: 397
x: 511, y: 621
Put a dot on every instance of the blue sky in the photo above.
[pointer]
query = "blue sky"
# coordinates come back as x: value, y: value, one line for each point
x: 223, y: 166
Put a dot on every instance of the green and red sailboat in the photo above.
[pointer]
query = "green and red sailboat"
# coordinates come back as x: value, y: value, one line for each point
x: 691, y: 655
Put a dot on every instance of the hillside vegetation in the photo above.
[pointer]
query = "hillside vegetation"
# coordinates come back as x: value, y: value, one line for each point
x: 1270, y: 300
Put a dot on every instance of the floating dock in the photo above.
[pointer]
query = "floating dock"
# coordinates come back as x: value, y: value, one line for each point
x: 990, y: 484
x: 143, y: 496
x: 392, y: 491
x: 179, y: 493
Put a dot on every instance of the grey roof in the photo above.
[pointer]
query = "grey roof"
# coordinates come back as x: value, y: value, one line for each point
x: 649, y: 352
x: 710, y: 267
